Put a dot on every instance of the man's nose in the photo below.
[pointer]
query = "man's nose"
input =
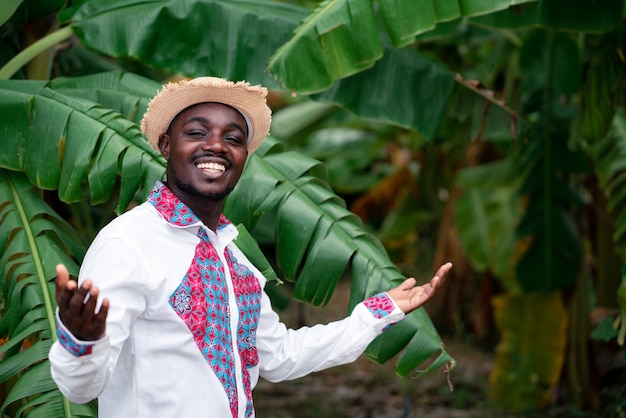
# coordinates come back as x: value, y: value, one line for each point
x: 213, y: 142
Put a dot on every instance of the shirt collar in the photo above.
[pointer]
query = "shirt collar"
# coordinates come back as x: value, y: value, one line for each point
x: 174, y: 211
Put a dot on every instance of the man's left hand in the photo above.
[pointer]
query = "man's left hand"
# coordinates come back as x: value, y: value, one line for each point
x: 409, y: 297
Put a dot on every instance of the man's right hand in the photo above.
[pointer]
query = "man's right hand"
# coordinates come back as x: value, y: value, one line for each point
x: 80, y: 316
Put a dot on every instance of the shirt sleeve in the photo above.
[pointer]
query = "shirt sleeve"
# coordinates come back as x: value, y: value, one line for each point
x: 288, y: 354
x: 77, y: 366
x: 81, y: 369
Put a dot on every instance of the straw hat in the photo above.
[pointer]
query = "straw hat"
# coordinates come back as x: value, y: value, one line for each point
x: 176, y: 97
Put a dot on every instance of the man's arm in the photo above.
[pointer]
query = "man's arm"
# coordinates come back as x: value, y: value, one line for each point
x: 287, y: 353
x: 83, y: 358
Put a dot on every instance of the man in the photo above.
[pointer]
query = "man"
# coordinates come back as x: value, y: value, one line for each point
x: 169, y: 317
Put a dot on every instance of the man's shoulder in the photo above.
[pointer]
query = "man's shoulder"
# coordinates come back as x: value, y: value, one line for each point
x: 139, y: 218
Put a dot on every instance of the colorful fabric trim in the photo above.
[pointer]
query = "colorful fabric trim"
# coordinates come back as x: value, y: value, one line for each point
x: 201, y: 301
x: 74, y: 348
x: 379, y: 305
x: 173, y: 210
x: 170, y: 207
x: 248, y: 293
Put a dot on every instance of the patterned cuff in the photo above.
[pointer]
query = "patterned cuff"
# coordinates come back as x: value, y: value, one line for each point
x: 74, y: 348
x: 380, y: 305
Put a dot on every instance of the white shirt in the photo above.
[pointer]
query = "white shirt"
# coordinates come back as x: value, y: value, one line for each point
x: 149, y: 262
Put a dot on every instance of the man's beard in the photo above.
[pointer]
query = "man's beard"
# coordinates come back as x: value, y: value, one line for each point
x: 192, y: 191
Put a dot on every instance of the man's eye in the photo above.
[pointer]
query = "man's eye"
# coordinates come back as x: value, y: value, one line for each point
x: 235, y: 139
x: 195, y: 133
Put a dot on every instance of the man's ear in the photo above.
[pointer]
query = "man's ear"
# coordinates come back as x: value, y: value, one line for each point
x: 164, y: 146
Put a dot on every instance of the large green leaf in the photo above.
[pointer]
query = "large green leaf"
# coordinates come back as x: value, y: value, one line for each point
x: 550, y: 60
x: 229, y: 38
x: 60, y: 141
x: 420, y: 341
x: 552, y: 259
x: 317, y: 239
x: 485, y: 213
x: 21, y: 11
x: 349, y: 155
x: 609, y: 157
x: 604, y: 87
x: 553, y: 252
x: 8, y: 8
x: 405, y: 88
x: 341, y: 37
x: 126, y: 93
x: 531, y: 353
x: 338, y: 39
x: 33, y: 239
x: 572, y: 15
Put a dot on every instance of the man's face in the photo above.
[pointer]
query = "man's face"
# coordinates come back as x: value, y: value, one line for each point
x: 206, y: 150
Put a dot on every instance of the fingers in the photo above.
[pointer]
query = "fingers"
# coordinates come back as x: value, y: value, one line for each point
x: 435, y: 282
x: 443, y: 270
x: 86, y: 299
x: 62, y: 275
x: 408, y: 284
x: 83, y: 301
x: 101, y: 316
x: 439, y: 277
x: 64, y: 286
x: 409, y: 297
x: 69, y: 297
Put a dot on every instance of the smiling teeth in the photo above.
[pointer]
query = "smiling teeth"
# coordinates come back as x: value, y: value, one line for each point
x: 211, y: 167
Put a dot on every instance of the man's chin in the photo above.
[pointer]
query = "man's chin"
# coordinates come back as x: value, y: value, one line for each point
x: 193, y: 191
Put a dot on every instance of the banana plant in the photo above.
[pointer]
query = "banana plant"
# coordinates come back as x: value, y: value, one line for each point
x: 33, y: 237
x: 79, y: 137
x: 563, y: 142
x: 341, y: 37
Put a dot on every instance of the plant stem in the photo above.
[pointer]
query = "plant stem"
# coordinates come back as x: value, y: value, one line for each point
x: 33, y: 50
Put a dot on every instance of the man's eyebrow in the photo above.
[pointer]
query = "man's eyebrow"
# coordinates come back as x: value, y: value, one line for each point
x: 237, y: 126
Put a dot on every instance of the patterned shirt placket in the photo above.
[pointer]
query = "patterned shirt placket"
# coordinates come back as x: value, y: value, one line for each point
x: 248, y: 293
x: 201, y: 299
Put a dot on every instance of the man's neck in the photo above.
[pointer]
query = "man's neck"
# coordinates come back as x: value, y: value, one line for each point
x: 208, y: 210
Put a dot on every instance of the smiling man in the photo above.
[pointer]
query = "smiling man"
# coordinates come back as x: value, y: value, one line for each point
x: 169, y: 318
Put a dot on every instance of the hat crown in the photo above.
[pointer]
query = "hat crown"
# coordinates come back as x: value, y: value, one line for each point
x: 209, y: 80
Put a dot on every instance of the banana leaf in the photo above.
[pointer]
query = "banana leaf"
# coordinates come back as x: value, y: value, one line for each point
x: 33, y: 239
x: 405, y: 88
x: 531, y: 352
x: 609, y: 157
x: 570, y: 15
x: 58, y: 140
x: 341, y: 37
x: 553, y: 255
x: 485, y: 213
x: 232, y: 39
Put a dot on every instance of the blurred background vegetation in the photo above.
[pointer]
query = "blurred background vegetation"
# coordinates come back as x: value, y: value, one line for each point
x: 491, y: 134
